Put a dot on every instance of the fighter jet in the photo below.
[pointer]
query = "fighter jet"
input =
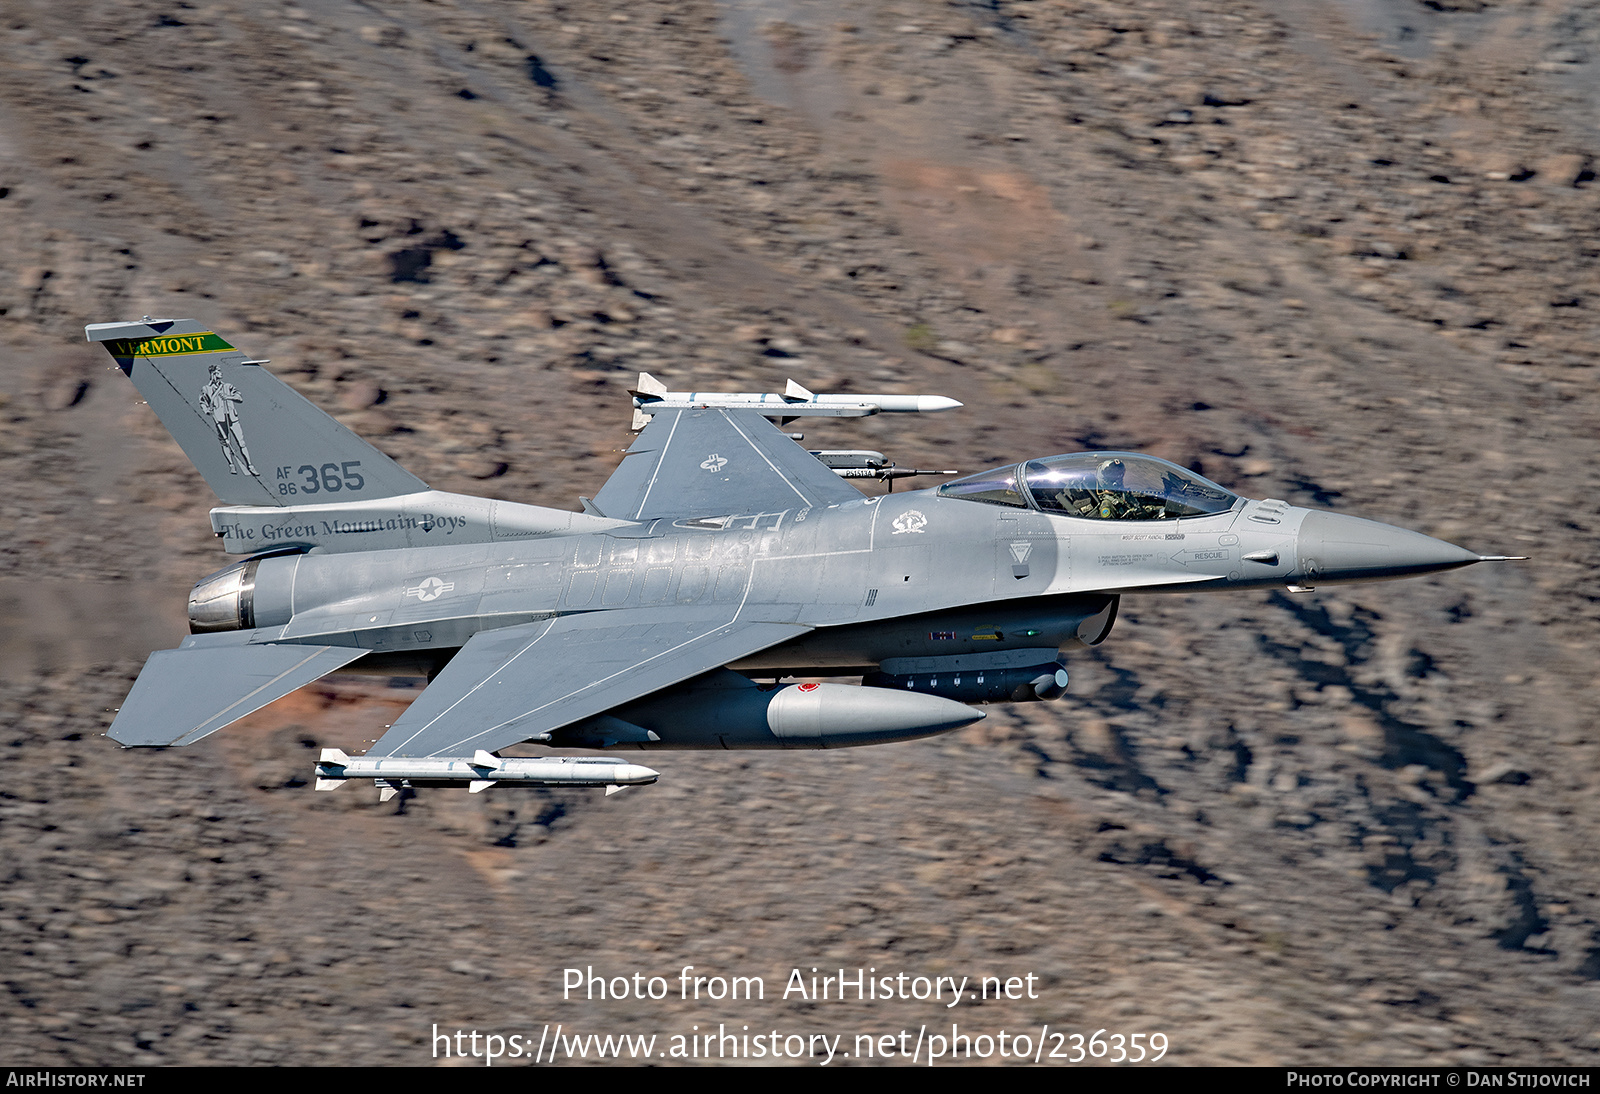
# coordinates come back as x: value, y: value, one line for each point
x: 719, y: 560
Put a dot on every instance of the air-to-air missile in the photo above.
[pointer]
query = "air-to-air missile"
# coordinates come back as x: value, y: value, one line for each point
x: 860, y: 463
x: 651, y: 397
x: 391, y: 774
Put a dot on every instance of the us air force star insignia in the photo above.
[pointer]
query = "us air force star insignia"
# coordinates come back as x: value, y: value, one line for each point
x: 714, y: 462
x: 1021, y: 551
x: 911, y: 521
x: 431, y: 589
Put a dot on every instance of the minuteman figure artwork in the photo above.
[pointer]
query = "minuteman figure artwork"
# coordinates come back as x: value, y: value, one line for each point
x: 218, y: 402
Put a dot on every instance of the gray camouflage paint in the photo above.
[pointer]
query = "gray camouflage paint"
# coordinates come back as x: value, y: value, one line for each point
x: 376, y: 572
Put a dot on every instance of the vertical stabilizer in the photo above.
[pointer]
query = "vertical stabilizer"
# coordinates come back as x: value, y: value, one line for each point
x: 254, y: 439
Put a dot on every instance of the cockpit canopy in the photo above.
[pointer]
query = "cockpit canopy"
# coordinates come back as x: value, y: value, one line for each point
x: 1097, y: 486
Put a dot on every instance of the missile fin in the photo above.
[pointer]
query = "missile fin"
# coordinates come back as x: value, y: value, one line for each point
x: 335, y: 756
x: 614, y: 788
x: 481, y: 758
x: 330, y: 784
x: 477, y: 786
x: 796, y: 393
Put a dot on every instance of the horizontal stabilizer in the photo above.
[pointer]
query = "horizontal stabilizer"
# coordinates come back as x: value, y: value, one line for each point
x: 211, y: 680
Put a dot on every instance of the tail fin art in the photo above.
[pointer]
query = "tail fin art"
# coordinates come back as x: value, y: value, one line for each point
x: 290, y: 477
x: 254, y: 439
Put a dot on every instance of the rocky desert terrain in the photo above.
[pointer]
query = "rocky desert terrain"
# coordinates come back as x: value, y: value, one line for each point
x: 1341, y: 253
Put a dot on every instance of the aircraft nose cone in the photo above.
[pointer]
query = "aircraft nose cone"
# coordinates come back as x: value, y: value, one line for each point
x: 1334, y: 547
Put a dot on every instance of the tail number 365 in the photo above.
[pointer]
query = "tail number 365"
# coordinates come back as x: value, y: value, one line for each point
x: 330, y: 478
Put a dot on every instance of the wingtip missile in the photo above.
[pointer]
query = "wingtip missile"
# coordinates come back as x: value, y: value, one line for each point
x: 795, y: 401
x: 649, y: 387
x: 478, y: 772
x: 332, y: 760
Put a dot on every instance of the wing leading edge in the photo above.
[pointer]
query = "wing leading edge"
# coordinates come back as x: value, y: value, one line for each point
x: 516, y: 683
x: 711, y: 462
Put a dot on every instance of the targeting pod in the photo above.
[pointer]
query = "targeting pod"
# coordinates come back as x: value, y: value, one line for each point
x: 1010, y: 676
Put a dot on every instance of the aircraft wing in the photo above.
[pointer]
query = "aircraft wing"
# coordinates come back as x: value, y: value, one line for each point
x: 514, y: 683
x: 713, y: 461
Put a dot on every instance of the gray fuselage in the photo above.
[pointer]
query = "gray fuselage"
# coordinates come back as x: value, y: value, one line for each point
x: 855, y: 571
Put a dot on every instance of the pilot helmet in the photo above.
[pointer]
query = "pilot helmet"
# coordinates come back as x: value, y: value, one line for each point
x: 1110, y: 473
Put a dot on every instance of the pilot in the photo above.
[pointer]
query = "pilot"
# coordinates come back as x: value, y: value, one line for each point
x: 1112, y: 496
x: 1116, y: 500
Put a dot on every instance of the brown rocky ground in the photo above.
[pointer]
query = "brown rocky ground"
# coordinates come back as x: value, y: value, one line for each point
x: 1337, y: 252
